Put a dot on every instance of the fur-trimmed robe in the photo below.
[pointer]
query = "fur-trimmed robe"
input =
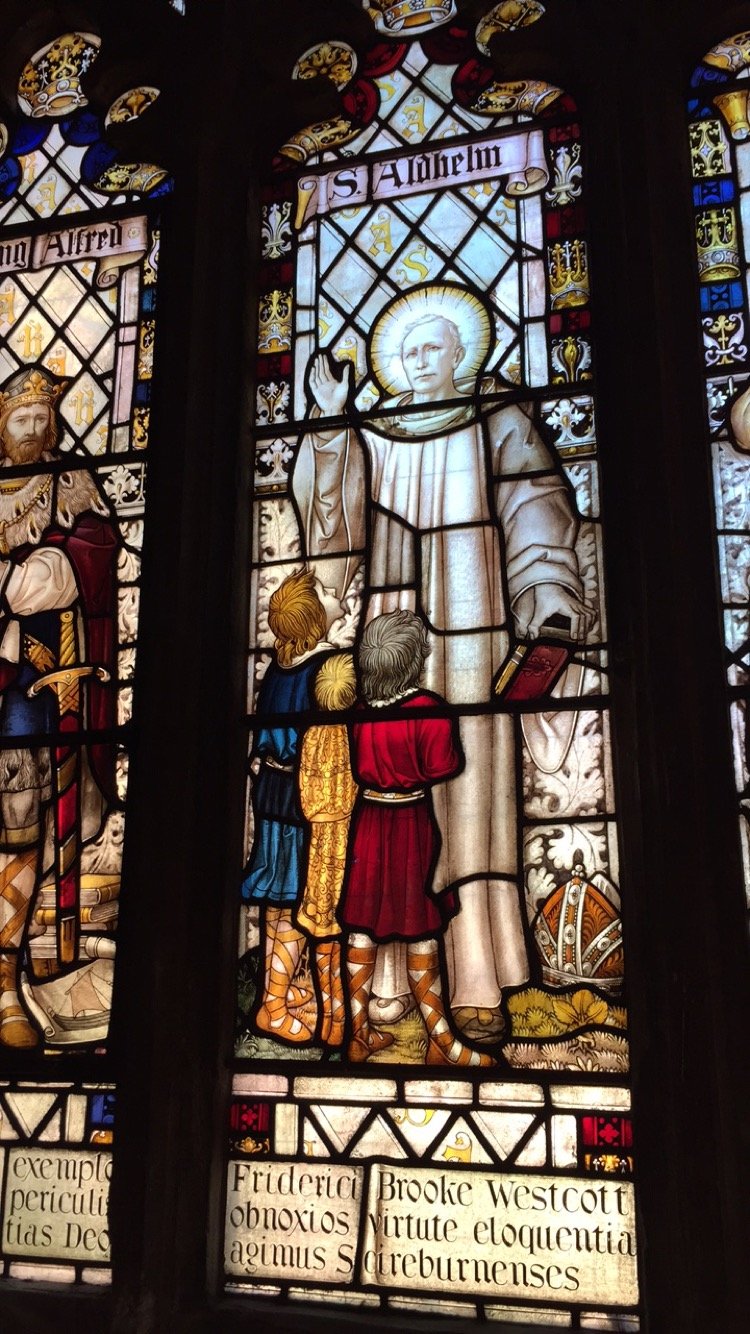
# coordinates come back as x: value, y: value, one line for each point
x: 58, y: 552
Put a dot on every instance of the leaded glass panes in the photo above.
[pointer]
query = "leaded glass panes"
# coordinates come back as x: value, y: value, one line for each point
x: 77, y: 331
x: 55, y: 1146
x: 432, y: 877
x: 719, y: 137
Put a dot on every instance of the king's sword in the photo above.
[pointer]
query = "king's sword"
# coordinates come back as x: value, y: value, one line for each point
x: 66, y: 684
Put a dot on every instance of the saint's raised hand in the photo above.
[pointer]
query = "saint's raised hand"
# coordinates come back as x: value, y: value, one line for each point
x: 329, y: 391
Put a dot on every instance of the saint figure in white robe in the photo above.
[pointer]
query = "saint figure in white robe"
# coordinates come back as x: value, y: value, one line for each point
x: 463, y: 516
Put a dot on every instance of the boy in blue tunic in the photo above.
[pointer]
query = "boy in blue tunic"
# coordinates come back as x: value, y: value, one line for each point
x: 275, y: 874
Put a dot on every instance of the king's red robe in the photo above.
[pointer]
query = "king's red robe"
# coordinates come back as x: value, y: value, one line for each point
x: 91, y: 547
x: 394, y: 845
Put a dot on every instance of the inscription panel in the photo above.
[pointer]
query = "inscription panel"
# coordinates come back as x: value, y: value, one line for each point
x: 287, y: 1220
x: 55, y: 1204
x: 486, y: 1234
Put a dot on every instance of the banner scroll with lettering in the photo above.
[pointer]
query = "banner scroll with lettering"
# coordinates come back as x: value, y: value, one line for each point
x: 519, y: 159
x: 110, y: 244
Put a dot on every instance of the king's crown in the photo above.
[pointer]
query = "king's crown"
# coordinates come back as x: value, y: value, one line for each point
x: 409, y: 16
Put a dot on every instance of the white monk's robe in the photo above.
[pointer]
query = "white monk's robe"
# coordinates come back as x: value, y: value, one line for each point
x: 455, y: 517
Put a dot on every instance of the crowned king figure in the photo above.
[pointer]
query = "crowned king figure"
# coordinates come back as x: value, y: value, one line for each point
x: 58, y: 550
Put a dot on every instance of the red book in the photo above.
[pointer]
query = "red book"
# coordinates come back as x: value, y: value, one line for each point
x: 531, y: 671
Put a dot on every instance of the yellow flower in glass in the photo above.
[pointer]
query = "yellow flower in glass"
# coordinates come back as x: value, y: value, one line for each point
x: 582, y: 1008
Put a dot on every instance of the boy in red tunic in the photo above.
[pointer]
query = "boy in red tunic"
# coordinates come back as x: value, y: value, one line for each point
x: 395, y: 841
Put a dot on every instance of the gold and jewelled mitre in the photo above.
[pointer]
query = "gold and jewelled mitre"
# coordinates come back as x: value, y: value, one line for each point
x: 409, y: 16
x: 578, y: 933
x: 27, y: 387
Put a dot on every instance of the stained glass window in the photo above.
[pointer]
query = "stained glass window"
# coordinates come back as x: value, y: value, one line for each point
x: 79, y: 257
x: 432, y: 877
x: 719, y: 132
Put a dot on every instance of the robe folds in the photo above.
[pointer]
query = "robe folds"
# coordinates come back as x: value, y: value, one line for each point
x: 327, y: 791
x: 59, y: 547
x: 66, y: 569
x: 275, y: 870
x: 455, y: 513
x: 92, y: 549
x: 394, y: 845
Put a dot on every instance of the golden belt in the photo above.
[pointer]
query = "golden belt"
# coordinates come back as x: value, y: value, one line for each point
x: 370, y: 794
x: 274, y: 764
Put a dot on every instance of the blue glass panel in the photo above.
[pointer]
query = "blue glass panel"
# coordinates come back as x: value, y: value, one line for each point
x: 164, y: 188
x: 29, y: 135
x: 95, y: 161
x: 721, y: 296
x: 713, y: 192
x: 708, y: 74
x: 83, y: 128
x: 10, y: 176
x: 103, y: 1109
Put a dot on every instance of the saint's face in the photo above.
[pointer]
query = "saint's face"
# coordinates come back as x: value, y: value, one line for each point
x: 430, y: 358
x: 25, y: 433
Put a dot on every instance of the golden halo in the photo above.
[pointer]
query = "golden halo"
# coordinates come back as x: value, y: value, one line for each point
x: 446, y: 301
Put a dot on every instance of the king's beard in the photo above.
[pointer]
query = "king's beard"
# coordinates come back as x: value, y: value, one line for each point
x: 27, y: 450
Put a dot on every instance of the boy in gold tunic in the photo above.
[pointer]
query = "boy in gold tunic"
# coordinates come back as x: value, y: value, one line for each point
x: 327, y: 793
